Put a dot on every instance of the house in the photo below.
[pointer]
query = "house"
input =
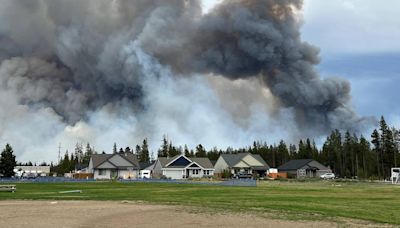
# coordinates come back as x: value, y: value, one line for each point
x: 112, y: 166
x: 182, y: 167
x: 244, y: 163
x: 304, y: 168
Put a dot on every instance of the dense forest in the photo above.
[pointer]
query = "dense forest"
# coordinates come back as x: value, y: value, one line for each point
x: 347, y: 154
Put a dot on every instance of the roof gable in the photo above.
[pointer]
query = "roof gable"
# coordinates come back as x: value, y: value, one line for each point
x: 193, y: 165
x: 106, y: 165
x: 243, y: 159
x: 251, y: 161
x: 181, y: 161
x: 119, y: 161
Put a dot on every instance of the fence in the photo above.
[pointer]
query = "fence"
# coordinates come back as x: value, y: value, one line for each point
x: 233, y: 182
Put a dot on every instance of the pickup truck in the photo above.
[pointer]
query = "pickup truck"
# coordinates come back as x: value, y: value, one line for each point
x: 242, y: 176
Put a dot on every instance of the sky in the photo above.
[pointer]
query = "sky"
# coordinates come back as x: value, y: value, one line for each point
x: 358, y: 41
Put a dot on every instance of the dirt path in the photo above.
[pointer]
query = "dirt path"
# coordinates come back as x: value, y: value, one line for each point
x: 127, y: 214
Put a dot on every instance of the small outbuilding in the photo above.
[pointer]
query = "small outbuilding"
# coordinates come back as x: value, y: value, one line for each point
x: 304, y: 168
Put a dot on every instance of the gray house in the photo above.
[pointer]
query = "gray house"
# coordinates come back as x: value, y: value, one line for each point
x: 304, y: 168
x: 110, y: 166
x: 241, y: 163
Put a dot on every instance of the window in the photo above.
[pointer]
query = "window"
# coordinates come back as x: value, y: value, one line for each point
x: 193, y: 172
x: 102, y: 172
x: 208, y: 172
x: 204, y: 172
x: 197, y: 171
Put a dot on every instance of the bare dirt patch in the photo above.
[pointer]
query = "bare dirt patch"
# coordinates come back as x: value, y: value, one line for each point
x: 129, y: 214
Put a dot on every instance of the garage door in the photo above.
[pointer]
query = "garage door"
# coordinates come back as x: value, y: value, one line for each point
x: 174, y: 174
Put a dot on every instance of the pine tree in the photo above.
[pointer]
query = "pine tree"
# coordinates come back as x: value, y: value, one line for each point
x: 163, y: 151
x: 200, y: 151
x: 78, y: 152
x: 145, y: 156
x: 186, y: 151
x: 396, y: 139
x: 365, y: 149
x: 88, y: 154
x: 376, y: 141
x: 138, y: 151
x: 283, y: 153
x: 7, y: 162
x: 115, y: 148
x: 172, y: 151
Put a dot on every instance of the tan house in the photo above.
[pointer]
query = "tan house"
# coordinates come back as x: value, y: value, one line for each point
x: 242, y: 163
x: 114, y: 166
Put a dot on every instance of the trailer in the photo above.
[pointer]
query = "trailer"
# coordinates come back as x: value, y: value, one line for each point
x: 395, y: 176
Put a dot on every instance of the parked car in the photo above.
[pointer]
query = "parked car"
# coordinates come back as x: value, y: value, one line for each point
x: 243, y: 176
x: 328, y: 176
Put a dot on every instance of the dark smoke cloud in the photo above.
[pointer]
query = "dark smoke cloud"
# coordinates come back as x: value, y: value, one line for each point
x: 85, y: 63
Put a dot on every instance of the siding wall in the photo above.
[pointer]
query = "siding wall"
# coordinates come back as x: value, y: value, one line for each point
x: 220, y: 165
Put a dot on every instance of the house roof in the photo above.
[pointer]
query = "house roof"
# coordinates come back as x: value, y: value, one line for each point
x: 203, y: 162
x: 294, y: 164
x: 146, y: 165
x: 233, y: 159
x: 98, y: 159
x: 80, y: 166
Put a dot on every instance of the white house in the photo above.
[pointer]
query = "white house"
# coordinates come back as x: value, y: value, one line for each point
x: 182, y: 167
x: 245, y: 163
x: 111, y: 166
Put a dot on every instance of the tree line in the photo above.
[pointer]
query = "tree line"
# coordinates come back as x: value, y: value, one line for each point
x: 347, y: 154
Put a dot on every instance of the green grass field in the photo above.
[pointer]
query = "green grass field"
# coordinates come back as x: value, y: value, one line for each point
x: 287, y: 200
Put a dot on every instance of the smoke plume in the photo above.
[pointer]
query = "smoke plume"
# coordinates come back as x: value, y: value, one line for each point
x: 105, y: 71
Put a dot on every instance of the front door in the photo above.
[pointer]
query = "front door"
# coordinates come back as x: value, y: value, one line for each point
x: 114, y: 174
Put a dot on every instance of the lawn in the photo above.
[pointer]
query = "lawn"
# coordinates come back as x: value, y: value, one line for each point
x: 288, y: 200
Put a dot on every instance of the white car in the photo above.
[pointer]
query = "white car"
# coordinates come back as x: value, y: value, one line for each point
x: 328, y: 176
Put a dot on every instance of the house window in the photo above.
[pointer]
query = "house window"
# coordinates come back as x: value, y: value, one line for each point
x: 193, y: 172
x: 102, y: 172
x: 208, y: 172
x: 204, y: 172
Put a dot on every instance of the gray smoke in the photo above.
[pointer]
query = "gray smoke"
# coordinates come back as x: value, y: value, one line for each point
x: 121, y: 70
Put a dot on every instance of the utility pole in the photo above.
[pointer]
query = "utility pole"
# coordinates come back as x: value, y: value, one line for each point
x: 59, y: 153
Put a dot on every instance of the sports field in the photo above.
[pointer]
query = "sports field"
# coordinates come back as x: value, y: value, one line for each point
x: 379, y: 203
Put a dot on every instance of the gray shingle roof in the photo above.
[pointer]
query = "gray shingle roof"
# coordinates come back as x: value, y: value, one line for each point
x: 233, y: 159
x: 98, y: 159
x: 204, y: 162
x: 294, y: 164
x: 163, y: 161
